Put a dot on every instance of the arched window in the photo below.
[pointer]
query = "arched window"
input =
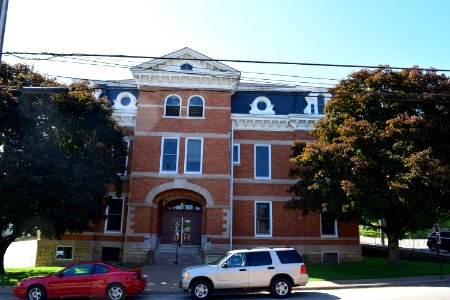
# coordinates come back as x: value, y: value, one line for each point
x: 195, y: 107
x: 185, y: 205
x: 186, y: 67
x: 172, y: 106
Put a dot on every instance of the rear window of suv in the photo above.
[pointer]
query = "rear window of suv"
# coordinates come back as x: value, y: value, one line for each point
x: 289, y: 257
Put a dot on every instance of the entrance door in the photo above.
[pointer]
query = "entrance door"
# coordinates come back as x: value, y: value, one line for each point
x: 181, y: 230
x: 181, y: 223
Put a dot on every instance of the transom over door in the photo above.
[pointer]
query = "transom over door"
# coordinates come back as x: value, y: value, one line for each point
x: 181, y: 223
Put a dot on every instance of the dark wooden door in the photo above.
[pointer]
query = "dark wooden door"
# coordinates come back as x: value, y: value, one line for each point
x: 182, y: 227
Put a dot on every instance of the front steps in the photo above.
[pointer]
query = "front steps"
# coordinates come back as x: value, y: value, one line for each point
x: 187, y: 254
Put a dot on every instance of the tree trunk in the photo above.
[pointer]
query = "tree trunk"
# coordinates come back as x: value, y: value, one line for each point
x: 4, y: 244
x: 394, y: 251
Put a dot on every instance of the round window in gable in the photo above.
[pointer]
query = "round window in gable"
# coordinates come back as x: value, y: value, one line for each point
x: 261, y: 105
x: 125, y: 101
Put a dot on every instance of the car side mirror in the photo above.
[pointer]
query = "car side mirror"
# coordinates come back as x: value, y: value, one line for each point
x: 225, y: 264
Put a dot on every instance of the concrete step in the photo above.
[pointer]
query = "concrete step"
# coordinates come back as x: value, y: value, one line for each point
x: 187, y: 254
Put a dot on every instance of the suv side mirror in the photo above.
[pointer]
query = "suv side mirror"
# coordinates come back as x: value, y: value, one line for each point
x: 225, y: 264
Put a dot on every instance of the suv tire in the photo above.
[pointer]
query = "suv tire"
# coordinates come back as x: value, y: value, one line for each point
x: 201, y: 290
x: 281, y: 287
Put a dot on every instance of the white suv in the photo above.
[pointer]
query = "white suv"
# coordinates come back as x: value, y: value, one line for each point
x: 273, y: 269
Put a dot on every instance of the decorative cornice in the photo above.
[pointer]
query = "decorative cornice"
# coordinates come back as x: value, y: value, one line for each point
x: 274, y: 122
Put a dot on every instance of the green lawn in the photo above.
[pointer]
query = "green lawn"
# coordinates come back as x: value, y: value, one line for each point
x: 371, y: 267
x: 15, y: 274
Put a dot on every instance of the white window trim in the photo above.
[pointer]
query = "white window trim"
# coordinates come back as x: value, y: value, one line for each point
x: 66, y: 259
x: 238, y: 154
x: 271, y: 219
x: 162, y: 154
x: 188, y: 105
x: 329, y: 235
x: 121, y: 218
x: 126, y: 140
x: 185, y: 156
x: 165, y: 106
x: 254, y: 162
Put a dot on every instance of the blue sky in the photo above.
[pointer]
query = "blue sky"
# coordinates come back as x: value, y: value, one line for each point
x: 399, y: 33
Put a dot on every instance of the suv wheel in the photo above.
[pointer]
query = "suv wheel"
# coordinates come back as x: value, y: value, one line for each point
x: 281, y: 287
x: 433, y: 247
x: 200, y: 290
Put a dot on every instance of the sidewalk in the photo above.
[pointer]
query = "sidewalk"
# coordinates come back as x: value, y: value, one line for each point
x: 164, y: 279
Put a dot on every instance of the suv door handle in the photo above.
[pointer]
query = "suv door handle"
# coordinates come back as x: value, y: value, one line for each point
x: 271, y: 268
x: 242, y: 269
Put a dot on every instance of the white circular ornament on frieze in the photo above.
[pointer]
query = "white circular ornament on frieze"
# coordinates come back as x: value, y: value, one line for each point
x: 261, y: 106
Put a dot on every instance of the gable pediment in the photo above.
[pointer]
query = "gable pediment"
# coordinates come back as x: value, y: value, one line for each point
x: 185, y: 67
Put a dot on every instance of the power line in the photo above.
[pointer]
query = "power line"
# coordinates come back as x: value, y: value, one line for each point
x: 52, y: 54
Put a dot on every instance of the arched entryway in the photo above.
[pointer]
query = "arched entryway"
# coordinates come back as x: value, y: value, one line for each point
x: 181, y: 221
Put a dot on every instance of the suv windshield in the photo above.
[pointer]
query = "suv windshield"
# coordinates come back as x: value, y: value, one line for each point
x: 220, y: 259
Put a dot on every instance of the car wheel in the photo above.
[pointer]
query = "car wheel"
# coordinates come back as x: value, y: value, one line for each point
x: 201, y: 290
x: 36, y: 292
x: 115, y: 292
x: 433, y: 247
x: 281, y: 287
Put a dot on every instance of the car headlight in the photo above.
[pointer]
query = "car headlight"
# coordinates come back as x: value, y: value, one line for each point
x: 19, y: 284
x: 186, y: 275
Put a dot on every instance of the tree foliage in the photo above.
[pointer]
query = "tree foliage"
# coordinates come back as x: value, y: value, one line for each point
x: 59, y: 152
x: 382, y: 153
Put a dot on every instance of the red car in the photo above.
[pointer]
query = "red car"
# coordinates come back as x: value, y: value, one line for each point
x: 95, y: 279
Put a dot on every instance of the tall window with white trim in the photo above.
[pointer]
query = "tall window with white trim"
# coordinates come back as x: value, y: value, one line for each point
x: 172, y: 106
x: 263, y: 218
x: 236, y: 154
x: 194, y: 153
x: 262, y: 162
x: 169, y: 155
x: 195, y: 107
x: 114, y: 212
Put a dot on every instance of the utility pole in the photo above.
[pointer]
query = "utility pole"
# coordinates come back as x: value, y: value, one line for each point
x: 3, y: 12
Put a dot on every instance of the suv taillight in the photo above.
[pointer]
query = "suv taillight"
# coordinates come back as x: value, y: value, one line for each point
x: 303, y: 269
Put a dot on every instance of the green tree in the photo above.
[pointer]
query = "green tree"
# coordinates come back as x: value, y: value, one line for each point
x: 382, y: 153
x: 60, y: 152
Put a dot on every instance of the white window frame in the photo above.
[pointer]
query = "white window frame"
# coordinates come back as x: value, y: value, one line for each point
x: 121, y: 218
x: 328, y: 235
x: 63, y: 246
x: 270, y: 217
x: 165, y: 106
x: 238, y: 154
x: 203, y: 107
x: 162, y: 154
x: 269, y: 158
x: 126, y: 140
x: 186, y: 156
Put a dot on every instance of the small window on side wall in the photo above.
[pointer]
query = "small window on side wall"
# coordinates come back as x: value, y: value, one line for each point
x: 64, y: 252
x: 172, y: 106
x: 236, y: 154
x: 195, y: 107
x: 328, y: 226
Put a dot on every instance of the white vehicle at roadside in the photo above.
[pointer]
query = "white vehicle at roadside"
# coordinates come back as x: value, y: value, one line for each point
x: 274, y: 269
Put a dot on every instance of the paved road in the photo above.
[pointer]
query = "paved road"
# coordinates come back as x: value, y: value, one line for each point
x: 436, y: 291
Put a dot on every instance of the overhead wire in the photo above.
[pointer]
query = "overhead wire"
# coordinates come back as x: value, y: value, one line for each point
x: 90, y: 60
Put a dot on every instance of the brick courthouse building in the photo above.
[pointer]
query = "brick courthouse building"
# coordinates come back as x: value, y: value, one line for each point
x: 207, y: 168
